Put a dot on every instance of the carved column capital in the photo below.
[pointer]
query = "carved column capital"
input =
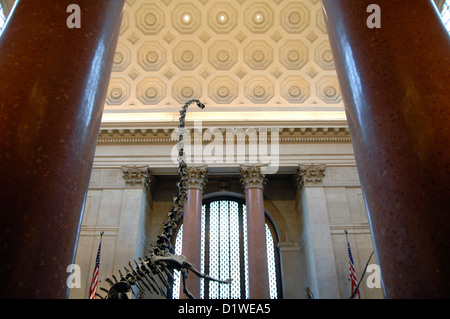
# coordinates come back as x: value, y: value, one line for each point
x: 135, y: 175
x: 197, y: 177
x: 253, y: 177
x: 312, y: 174
x: 148, y: 180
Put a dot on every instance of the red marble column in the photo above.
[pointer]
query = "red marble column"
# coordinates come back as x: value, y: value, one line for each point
x: 394, y: 82
x: 54, y: 83
x: 253, y: 181
x: 192, y: 222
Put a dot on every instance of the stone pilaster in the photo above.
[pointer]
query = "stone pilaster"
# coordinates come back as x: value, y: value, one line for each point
x: 322, y: 279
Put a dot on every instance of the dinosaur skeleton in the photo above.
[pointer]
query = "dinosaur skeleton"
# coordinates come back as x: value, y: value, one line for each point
x: 149, y: 272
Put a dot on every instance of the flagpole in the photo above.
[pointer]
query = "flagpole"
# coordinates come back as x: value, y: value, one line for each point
x: 362, y: 276
x: 352, y: 270
x: 94, y: 282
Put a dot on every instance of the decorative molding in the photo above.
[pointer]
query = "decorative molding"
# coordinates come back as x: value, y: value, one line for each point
x: 106, y: 178
x: 135, y: 175
x: 95, y: 230
x: 342, y: 176
x: 197, y: 177
x: 289, y: 246
x: 278, y: 219
x: 252, y: 177
x: 353, y: 229
x: 310, y: 174
x: 164, y: 135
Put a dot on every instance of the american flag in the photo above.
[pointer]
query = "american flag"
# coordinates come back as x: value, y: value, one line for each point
x: 353, y: 277
x: 94, y: 282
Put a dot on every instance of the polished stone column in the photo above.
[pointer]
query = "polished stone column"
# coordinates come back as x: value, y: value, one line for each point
x: 394, y: 80
x: 192, y: 223
x: 54, y: 83
x: 253, y: 181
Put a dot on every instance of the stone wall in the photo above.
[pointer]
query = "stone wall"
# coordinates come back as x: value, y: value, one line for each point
x: 310, y: 218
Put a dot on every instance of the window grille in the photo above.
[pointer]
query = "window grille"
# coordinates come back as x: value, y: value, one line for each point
x: 445, y: 14
x: 2, y: 18
x: 224, y: 251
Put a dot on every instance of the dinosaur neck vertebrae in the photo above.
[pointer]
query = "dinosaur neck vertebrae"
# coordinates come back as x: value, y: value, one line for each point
x: 164, y: 241
x: 149, y: 273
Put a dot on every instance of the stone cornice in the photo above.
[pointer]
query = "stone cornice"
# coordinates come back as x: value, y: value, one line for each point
x: 167, y: 135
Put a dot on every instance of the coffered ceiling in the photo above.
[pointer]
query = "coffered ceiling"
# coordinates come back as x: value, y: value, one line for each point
x: 245, y: 59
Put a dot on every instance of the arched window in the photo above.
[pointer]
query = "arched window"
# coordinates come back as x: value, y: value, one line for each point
x: 224, y: 250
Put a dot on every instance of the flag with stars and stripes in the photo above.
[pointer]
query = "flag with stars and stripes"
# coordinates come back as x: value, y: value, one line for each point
x: 352, y: 270
x: 94, y: 282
